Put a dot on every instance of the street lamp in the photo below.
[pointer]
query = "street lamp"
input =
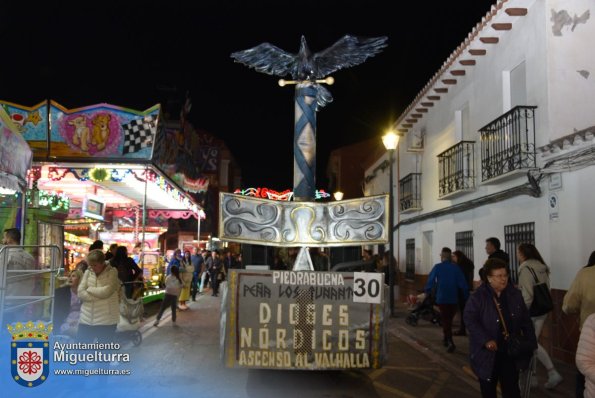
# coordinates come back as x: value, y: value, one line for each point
x: 390, y: 141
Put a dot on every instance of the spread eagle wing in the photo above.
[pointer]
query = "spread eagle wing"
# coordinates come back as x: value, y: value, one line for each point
x: 267, y: 58
x: 347, y: 51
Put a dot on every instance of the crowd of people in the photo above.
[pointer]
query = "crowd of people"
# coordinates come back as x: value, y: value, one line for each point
x: 87, y: 307
x: 499, y: 317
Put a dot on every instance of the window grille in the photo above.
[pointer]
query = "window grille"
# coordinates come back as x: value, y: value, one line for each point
x: 464, y: 243
x: 410, y: 192
x: 513, y: 236
x: 456, y: 169
x: 508, y: 143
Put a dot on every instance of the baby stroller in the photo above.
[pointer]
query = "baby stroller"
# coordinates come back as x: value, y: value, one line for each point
x: 131, y: 314
x: 423, y: 309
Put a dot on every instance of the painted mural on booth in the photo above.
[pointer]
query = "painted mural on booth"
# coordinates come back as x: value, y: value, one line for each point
x: 31, y: 122
x: 102, y: 130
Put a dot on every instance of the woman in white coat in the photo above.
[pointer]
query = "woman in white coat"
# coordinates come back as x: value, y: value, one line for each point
x: 99, y: 292
x: 585, y: 355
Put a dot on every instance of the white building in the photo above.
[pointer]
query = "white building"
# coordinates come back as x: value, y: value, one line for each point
x: 500, y: 143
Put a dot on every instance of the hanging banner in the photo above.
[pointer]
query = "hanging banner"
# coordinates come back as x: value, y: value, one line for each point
x: 304, y: 320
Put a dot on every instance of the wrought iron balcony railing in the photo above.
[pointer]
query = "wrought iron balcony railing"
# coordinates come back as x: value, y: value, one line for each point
x: 456, y: 170
x: 410, y: 192
x: 508, y: 143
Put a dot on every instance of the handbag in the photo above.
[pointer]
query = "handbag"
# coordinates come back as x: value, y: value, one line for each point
x: 517, y: 344
x: 542, y: 299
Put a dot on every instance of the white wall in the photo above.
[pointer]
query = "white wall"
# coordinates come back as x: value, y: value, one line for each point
x: 571, y: 235
x: 482, y: 92
x: 572, y: 95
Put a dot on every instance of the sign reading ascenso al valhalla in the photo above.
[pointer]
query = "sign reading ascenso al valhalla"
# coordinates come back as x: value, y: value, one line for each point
x: 303, y: 320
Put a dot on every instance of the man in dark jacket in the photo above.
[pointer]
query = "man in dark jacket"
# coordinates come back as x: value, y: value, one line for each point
x: 197, y: 260
x: 449, y: 280
x: 493, y: 251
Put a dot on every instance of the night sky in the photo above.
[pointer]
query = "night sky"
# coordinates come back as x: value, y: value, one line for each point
x: 139, y: 55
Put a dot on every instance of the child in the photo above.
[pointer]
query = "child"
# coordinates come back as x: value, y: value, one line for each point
x: 173, y: 287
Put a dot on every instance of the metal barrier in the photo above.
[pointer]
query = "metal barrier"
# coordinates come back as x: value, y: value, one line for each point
x: 27, y: 282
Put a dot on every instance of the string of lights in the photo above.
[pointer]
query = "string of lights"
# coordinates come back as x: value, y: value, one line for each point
x: 286, y: 195
x: 118, y: 175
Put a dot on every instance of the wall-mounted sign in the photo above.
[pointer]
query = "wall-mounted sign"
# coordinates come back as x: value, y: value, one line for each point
x: 555, y: 181
x: 553, y: 206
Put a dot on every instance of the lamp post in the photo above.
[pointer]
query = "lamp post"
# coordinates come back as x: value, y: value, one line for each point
x: 390, y: 141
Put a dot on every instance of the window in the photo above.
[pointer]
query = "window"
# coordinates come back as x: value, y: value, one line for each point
x: 410, y: 259
x: 462, y: 130
x: 464, y: 243
x: 508, y: 143
x: 513, y: 236
x: 410, y: 193
x: 456, y: 171
x: 515, y: 87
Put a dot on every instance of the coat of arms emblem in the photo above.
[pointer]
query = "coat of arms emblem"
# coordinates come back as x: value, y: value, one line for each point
x: 29, y: 352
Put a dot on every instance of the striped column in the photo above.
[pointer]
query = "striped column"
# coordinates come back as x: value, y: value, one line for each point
x: 304, y: 142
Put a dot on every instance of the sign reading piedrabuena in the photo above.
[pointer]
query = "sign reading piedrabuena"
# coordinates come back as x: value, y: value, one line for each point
x: 304, y: 320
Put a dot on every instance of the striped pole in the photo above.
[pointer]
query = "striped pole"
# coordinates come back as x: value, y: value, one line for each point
x: 304, y: 142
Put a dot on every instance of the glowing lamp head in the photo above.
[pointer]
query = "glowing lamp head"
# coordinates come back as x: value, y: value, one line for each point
x: 338, y: 195
x: 390, y: 141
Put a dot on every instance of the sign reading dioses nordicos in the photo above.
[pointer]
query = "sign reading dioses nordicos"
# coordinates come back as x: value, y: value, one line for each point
x: 304, y: 320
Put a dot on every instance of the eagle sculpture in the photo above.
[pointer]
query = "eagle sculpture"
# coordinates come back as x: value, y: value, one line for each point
x: 305, y: 66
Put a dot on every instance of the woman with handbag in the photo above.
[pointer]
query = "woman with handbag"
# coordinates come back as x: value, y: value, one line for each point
x: 501, y: 334
x: 532, y: 272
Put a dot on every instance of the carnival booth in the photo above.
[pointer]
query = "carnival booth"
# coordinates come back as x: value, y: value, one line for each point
x: 98, y: 168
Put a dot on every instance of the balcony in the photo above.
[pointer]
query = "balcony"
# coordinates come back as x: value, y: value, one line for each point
x: 508, y: 144
x: 410, y: 193
x: 456, y: 169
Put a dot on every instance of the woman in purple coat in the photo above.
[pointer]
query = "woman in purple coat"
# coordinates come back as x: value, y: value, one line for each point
x: 487, y: 336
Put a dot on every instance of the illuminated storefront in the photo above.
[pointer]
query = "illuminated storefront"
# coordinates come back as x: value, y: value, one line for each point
x: 102, y: 160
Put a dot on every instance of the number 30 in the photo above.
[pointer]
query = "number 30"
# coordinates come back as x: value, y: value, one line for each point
x: 372, y: 289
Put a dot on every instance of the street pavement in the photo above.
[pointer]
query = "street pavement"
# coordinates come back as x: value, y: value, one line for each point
x: 185, y: 358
